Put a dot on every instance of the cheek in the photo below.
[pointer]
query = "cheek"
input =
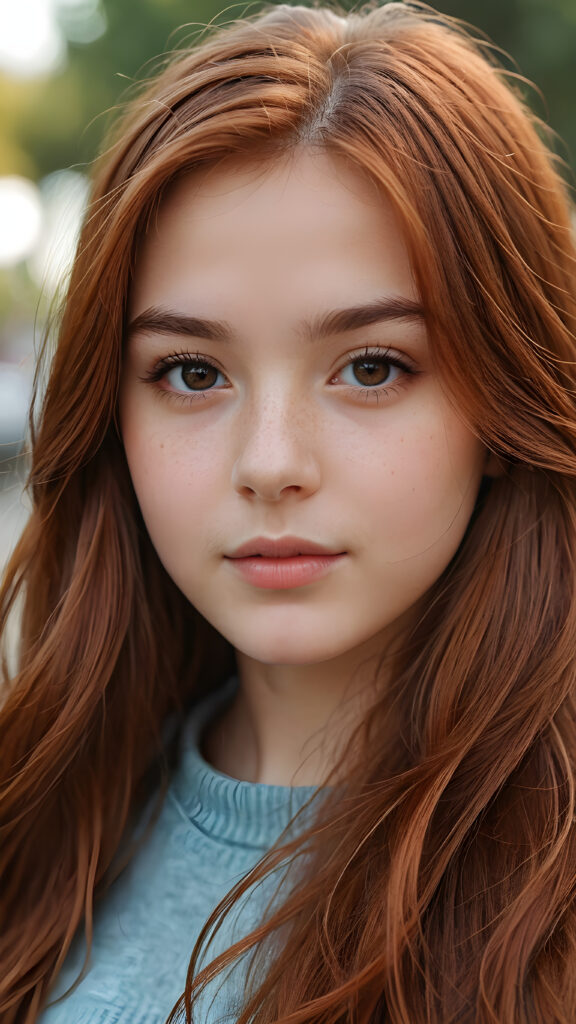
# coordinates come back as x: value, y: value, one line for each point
x: 424, y: 490
x: 174, y: 481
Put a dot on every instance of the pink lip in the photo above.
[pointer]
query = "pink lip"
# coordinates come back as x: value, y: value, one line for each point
x: 284, y: 562
x: 281, y: 547
x: 286, y: 572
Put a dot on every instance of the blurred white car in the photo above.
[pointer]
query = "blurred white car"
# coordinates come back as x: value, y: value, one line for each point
x: 15, y: 395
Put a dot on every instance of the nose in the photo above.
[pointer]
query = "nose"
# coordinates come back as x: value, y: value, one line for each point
x: 277, y: 454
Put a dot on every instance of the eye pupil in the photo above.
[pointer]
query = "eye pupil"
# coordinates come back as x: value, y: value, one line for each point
x: 370, y: 371
x: 198, y: 376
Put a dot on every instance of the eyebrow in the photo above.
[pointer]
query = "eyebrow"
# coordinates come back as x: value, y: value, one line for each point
x: 159, y: 320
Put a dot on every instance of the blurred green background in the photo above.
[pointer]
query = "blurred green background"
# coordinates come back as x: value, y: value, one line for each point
x: 65, y: 65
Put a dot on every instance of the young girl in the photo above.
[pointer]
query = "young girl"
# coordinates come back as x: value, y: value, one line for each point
x: 291, y: 737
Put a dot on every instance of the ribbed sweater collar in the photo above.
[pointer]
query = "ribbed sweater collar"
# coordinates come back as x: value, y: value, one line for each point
x: 239, y: 813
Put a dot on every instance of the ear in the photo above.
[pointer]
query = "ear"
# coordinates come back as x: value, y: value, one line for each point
x: 494, y: 465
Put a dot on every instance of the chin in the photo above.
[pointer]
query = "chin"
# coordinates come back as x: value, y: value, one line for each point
x: 284, y: 655
x: 289, y: 651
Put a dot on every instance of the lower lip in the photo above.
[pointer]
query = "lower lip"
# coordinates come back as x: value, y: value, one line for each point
x: 283, y: 573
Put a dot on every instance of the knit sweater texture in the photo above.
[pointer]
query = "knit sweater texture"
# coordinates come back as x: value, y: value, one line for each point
x: 211, y: 831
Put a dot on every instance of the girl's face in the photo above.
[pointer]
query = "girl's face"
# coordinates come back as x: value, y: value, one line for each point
x: 282, y: 420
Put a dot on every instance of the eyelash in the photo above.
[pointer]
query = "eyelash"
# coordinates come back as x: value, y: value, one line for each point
x: 175, y: 359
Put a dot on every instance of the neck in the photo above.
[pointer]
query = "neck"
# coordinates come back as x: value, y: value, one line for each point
x: 289, y: 724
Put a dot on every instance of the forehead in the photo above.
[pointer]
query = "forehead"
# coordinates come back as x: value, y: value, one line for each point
x: 305, y: 232
x: 323, y: 172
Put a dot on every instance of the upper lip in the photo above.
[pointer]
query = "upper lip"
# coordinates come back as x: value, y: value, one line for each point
x: 280, y: 547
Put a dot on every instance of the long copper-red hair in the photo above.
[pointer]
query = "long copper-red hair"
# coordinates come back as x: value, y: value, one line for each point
x: 440, y: 874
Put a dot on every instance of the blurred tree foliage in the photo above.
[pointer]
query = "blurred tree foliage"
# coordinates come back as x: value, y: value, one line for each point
x: 58, y: 121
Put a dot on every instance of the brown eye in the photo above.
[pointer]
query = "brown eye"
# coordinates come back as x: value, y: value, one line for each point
x: 371, y: 371
x: 187, y: 376
x: 198, y: 376
x: 374, y: 371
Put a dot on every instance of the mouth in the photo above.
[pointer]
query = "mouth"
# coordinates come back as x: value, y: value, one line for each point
x: 282, y: 547
x: 283, y: 572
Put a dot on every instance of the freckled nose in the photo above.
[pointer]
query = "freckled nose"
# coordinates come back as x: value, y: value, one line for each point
x: 276, y: 451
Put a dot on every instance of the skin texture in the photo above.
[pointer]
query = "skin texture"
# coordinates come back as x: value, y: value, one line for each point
x: 290, y: 439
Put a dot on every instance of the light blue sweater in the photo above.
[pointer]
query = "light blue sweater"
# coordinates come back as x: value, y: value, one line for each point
x: 212, y: 829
